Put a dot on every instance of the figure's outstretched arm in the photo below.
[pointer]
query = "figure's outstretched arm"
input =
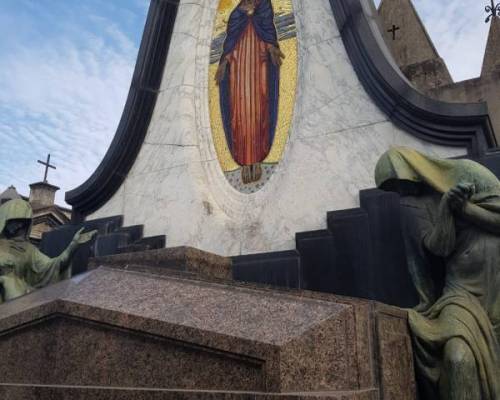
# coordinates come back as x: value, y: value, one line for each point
x: 46, y: 270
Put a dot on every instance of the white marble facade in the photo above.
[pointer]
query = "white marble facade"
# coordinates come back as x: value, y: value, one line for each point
x: 176, y: 186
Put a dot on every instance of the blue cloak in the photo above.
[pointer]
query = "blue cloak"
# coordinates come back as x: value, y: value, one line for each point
x: 263, y: 23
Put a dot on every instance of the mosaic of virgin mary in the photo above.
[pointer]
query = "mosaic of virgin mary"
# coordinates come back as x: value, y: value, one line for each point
x: 248, y: 79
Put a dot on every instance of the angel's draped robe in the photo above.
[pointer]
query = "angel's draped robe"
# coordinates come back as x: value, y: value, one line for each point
x: 250, y: 87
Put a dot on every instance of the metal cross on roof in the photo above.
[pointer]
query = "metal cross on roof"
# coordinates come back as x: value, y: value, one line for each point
x: 393, y: 30
x: 493, y: 11
x: 47, y: 166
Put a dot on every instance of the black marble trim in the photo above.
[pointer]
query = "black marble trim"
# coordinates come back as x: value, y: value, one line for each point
x: 460, y: 125
x: 450, y: 124
x: 134, y: 123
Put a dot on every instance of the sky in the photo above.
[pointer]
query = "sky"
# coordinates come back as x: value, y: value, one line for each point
x: 65, y: 71
x: 66, y: 67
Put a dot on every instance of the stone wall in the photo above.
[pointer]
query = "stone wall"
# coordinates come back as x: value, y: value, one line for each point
x: 485, y: 88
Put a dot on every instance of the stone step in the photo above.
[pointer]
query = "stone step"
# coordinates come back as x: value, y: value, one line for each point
x: 135, y: 232
x: 280, y: 268
x: 109, y: 244
x: 132, y: 248
x: 178, y: 260
x: 334, y: 259
x: 389, y: 263
x: 360, y: 254
x: 153, y: 242
x: 51, y: 392
x: 142, y: 244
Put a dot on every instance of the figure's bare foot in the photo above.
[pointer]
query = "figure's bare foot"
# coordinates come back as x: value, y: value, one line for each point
x: 246, y: 174
x: 251, y: 173
x: 256, y: 172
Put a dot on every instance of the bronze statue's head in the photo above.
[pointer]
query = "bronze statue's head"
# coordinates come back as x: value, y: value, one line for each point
x: 409, y: 172
x: 393, y: 175
x: 15, y: 219
x: 17, y: 228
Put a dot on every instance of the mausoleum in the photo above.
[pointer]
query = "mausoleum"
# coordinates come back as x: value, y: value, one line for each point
x: 243, y: 249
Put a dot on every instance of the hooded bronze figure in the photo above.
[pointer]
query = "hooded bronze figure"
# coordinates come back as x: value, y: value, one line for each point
x: 451, y: 223
x: 23, y: 267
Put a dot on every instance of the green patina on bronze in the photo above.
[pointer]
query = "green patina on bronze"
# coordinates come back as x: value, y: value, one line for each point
x: 23, y: 268
x: 456, y: 327
x: 442, y: 175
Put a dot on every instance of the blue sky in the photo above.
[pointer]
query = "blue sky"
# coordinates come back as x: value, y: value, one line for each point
x: 65, y: 71
x: 66, y: 66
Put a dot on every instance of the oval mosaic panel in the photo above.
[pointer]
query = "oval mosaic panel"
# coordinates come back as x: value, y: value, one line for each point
x: 252, y: 85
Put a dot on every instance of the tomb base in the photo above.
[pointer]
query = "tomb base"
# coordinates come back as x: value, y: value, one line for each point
x: 182, y: 329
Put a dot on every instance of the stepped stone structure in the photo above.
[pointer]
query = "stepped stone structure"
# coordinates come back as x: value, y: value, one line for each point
x: 414, y: 52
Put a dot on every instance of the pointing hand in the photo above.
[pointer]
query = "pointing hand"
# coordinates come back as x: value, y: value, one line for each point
x: 82, y: 238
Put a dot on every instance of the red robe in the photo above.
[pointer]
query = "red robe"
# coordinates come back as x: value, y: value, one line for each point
x: 249, y: 98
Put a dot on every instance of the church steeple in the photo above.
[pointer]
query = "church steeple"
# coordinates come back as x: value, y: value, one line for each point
x: 411, y: 45
x: 491, y: 60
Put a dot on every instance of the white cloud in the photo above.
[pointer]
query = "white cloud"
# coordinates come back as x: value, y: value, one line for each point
x: 62, y: 97
x: 459, y: 32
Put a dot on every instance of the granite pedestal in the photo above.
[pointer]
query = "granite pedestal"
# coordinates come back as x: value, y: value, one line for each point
x: 154, y: 333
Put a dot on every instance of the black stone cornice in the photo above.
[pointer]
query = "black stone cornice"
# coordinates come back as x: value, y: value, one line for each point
x: 134, y: 123
x: 449, y: 124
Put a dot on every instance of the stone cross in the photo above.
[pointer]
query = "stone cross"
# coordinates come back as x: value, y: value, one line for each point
x: 393, y: 30
x: 47, y: 166
x: 493, y: 11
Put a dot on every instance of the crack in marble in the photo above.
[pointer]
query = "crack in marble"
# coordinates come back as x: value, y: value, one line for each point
x: 187, y: 34
x: 170, y: 144
x: 156, y: 171
x: 311, y: 44
x: 354, y: 128
x: 179, y: 86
